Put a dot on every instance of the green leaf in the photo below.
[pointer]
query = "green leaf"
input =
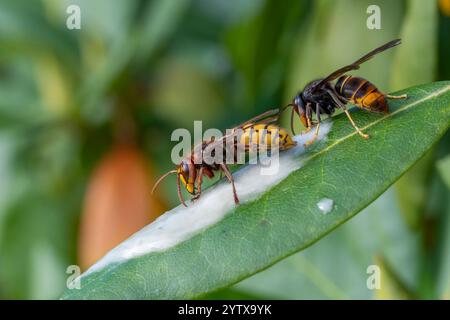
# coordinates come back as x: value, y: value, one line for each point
x: 336, y: 266
x: 443, y: 166
x: 351, y: 171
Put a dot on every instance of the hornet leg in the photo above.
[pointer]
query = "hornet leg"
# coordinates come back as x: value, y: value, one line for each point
x: 305, y: 118
x: 344, y: 108
x: 229, y: 176
x: 316, y: 132
x: 308, y: 117
x: 199, y: 185
x: 362, y: 134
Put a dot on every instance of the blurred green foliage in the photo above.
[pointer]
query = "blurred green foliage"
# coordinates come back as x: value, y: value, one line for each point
x: 139, y: 69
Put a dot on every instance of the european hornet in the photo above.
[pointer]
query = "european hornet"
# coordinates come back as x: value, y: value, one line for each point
x: 259, y: 132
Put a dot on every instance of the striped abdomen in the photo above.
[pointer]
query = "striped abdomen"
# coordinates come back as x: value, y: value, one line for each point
x: 361, y: 93
x: 266, y: 137
x: 248, y: 139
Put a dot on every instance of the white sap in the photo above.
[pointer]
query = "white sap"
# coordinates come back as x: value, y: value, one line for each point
x: 325, y: 205
x: 181, y: 223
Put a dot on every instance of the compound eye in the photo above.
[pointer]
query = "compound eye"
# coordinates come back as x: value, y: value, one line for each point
x: 297, y: 101
x: 185, y: 167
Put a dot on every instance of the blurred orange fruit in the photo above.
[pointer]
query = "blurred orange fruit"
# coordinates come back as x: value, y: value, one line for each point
x: 117, y: 203
x: 444, y: 5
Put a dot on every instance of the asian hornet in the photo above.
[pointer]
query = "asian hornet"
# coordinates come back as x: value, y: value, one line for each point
x: 322, y: 97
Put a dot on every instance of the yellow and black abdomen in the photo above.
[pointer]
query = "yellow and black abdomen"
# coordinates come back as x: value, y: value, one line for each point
x: 361, y: 93
x: 265, y: 137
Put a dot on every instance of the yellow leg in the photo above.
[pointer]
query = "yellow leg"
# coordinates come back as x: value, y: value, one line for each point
x: 199, y: 185
x: 403, y: 96
x: 365, y: 136
x: 316, y: 134
x: 307, y: 129
x: 309, y: 124
x: 229, y: 176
